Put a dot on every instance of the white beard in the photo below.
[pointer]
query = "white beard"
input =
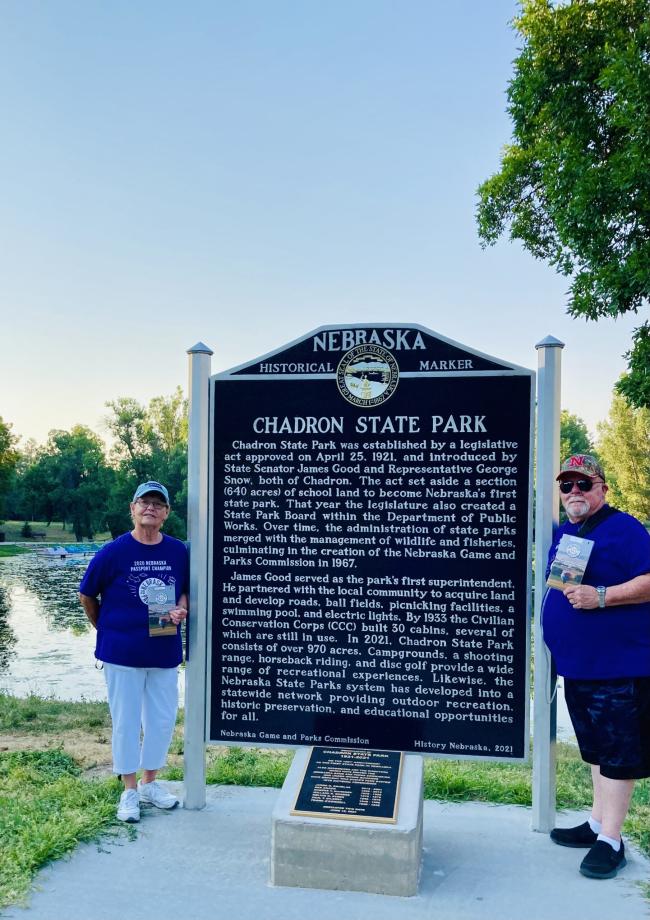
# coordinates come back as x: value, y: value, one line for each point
x: 577, y: 508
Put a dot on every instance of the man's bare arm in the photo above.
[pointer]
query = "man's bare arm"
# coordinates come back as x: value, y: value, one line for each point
x: 91, y: 608
x: 634, y: 591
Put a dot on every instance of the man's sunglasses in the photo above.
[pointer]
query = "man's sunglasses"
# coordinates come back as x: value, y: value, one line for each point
x: 585, y: 485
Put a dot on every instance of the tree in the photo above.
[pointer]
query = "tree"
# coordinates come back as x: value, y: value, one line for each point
x: 128, y: 425
x: 624, y: 447
x: 141, y: 432
x: 70, y: 480
x: 150, y: 443
x: 167, y: 421
x: 9, y: 457
x: 36, y: 481
x: 574, y: 186
x: 574, y: 437
x: 18, y: 504
x: 635, y: 385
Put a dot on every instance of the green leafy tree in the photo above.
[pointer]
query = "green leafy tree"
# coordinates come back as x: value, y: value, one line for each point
x: 574, y: 436
x: 18, y: 503
x: 574, y: 184
x: 624, y: 448
x: 9, y: 457
x: 635, y: 385
x: 149, y: 443
x: 167, y: 421
x: 128, y: 425
x: 140, y: 432
x: 69, y: 480
x: 35, y: 485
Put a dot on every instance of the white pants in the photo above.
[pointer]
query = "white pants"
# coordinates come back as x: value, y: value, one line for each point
x: 141, y: 699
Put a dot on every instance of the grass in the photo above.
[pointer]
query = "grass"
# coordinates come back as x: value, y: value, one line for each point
x: 6, y: 551
x: 46, y: 809
x: 234, y: 766
x: 507, y: 783
x: 57, y: 808
x: 54, y: 532
x: 38, y: 715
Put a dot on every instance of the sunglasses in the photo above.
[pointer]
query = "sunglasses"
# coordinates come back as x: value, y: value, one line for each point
x: 585, y: 485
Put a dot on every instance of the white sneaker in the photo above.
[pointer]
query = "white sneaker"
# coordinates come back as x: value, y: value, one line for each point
x: 154, y: 794
x: 129, y: 807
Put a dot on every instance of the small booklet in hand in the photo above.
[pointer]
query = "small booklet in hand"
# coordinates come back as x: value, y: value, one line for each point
x: 568, y: 567
x: 162, y: 599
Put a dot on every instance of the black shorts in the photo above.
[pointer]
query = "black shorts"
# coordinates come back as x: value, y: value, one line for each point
x: 611, y: 719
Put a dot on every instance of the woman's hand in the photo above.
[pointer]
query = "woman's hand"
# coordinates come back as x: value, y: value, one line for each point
x: 178, y: 614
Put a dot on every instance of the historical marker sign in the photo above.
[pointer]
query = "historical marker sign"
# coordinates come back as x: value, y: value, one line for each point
x: 370, y: 530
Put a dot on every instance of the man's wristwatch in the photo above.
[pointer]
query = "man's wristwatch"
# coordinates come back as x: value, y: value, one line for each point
x: 601, y: 595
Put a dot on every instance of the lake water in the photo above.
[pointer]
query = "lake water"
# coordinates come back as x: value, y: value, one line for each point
x: 47, y: 644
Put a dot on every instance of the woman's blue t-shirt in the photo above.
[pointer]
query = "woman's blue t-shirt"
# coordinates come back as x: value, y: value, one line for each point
x: 119, y: 576
x: 602, y: 644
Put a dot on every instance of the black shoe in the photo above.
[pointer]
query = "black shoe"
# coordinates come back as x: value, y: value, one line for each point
x: 581, y: 836
x: 602, y: 861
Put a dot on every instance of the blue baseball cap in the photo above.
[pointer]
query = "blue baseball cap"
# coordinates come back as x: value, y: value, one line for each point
x: 146, y: 487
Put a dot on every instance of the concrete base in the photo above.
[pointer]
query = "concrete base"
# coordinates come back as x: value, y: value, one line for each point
x: 349, y: 855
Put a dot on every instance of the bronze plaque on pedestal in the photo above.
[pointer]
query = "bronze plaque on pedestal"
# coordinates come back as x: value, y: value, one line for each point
x: 351, y: 784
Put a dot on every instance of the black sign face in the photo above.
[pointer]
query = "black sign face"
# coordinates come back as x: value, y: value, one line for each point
x: 371, y: 546
x: 350, y: 784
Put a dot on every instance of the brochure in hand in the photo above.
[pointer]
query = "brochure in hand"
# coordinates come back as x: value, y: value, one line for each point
x: 162, y: 599
x: 568, y: 567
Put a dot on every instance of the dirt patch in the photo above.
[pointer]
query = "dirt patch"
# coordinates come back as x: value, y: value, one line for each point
x: 91, y: 751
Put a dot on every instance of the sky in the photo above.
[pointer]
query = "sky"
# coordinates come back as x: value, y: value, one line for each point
x: 240, y: 172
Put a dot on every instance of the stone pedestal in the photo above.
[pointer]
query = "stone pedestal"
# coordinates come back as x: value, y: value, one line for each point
x: 349, y: 855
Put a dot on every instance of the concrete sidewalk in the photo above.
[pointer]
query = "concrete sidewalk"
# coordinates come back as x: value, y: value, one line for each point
x: 480, y: 861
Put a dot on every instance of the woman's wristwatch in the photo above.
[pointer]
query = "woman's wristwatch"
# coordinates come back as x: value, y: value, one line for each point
x: 601, y: 591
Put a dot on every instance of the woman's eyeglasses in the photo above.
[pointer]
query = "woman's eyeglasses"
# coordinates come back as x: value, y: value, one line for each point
x: 157, y: 506
x: 585, y: 485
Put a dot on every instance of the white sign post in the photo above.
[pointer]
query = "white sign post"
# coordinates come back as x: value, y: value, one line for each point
x: 197, y: 530
x: 546, y: 519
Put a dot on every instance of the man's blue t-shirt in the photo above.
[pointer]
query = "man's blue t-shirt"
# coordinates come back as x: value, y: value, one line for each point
x: 120, y: 575
x: 602, y: 644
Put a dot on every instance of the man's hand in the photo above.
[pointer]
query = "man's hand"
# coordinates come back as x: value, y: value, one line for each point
x: 582, y: 597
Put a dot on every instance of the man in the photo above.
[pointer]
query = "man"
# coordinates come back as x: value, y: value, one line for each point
x: 599, y: 634
x: 135, y: 571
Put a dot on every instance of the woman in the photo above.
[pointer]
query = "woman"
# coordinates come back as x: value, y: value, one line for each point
x: 127, y: 576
